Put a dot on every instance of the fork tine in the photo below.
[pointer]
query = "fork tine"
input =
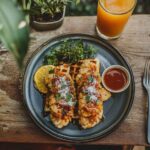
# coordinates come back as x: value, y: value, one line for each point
x: 145, y: 72
x: 148, y: 70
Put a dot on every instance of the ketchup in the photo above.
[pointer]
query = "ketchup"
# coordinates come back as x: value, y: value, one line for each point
x: 115, y: 79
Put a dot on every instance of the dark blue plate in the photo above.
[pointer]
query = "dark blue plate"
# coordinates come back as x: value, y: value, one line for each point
x: 115, y: 109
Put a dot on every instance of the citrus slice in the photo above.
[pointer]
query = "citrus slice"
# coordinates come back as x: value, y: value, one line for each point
x: 39, y: 78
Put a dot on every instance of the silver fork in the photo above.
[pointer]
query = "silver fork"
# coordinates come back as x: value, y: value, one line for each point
x: 146, y: 83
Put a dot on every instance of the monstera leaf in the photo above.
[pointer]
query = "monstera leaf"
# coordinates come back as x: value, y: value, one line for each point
x: 14, y: 32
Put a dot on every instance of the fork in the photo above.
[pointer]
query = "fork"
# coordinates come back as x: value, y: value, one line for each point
x: 146, y: 83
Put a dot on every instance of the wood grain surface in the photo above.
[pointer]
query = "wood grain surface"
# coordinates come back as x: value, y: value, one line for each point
x: 134, y: 44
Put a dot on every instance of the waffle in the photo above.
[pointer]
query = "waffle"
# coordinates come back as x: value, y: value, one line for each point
x: 62, y: 69
x: 74, y: 70
x: 85, y: 76
x: 90, y: 93
x: 58, y: 82
x: 84, y: 66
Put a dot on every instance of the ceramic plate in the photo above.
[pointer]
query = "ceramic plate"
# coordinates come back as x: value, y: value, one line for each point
x: 115, y: 109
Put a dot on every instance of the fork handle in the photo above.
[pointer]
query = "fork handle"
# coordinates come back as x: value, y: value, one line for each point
x: 148, y: 119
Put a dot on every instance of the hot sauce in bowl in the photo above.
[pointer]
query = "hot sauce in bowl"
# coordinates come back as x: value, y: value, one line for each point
x: 116, y: 78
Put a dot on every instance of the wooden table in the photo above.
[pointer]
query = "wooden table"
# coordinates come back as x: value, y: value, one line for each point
x: 134, y: 44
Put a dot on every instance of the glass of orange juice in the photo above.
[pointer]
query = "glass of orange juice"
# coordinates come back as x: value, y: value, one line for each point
x: 112, y: 16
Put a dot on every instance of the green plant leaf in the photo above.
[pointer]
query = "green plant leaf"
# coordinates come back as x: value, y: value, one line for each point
x: 14, y: 32
x: 77, y: 2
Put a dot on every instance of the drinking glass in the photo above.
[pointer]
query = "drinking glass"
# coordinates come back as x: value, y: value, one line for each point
x: 112, y: 16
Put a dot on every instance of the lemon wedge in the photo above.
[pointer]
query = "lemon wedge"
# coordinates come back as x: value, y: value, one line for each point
x: 39, y: 77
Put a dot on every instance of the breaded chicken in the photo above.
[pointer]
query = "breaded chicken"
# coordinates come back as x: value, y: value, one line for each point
x: 62, y: 99
x: 90, y: 93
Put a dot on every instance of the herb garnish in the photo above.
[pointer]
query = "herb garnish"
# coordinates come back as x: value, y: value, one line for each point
x: 69, y: 51
x: 88, y: 98
x: 69, y: 97
x: 58, y: 96
x: 90, y: 79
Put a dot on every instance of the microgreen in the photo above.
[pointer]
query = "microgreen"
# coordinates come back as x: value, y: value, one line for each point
x: 69, y: 51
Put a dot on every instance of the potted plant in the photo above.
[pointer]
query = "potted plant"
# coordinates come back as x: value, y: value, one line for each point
x: 48, y: 14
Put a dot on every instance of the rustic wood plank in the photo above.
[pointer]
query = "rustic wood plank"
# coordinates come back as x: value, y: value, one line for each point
x: 134, y: 44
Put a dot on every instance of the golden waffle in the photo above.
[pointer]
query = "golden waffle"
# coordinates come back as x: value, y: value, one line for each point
x: 88, y: 78
x: 89, y: 122
x: 85, y: 66
x: 89, y: 113
x: 60, y: 116
x: 90, y: 65
x: 105, y: 95
x: 63, y: 69
x: 74, y: 70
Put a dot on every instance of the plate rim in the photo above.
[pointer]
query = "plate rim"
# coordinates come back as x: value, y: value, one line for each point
x: 65, y: 137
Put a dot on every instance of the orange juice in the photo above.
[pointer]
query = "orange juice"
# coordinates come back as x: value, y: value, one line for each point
x: 112, y: 15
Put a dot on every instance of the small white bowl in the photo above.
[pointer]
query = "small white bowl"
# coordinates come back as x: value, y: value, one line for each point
x: 127, y: 75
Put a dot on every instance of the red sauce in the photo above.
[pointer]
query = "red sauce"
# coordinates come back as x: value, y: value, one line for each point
x: 115, y: 79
